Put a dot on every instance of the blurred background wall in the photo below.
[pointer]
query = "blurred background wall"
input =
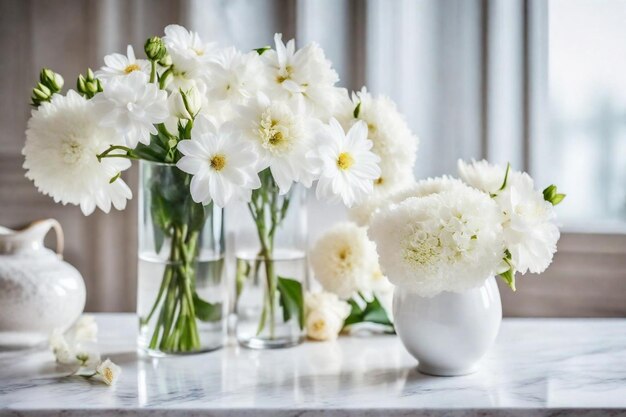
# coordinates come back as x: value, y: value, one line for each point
x: 538, y: 83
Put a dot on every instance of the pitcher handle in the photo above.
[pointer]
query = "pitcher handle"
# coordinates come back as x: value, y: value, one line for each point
x: 58, y: 230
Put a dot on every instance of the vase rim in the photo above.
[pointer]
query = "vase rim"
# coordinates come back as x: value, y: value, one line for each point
x: 167, y: 164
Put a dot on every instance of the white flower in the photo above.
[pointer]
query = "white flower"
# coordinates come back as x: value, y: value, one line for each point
x: 482, y: 175
x: 325, y: 314
x: 281, y: 138
x: 305, y: 77
x: 85, y: 329
x: 118, y: 65
x: 447, y: 241
x: 348, y: 167
x: 62, y: 141
x: 362, y: 214
x: 189, y: 55
x: 74, y: 348
x: 109, y: 372
x: 61, y: 349
x: 222, y: 165
x: 344, y: 260
x: 530, y: 232
x: 131, y: 106
x: 392, y: 139
x: 235, y: 77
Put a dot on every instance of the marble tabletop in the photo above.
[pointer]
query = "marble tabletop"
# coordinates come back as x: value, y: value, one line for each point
x: 538, y: 367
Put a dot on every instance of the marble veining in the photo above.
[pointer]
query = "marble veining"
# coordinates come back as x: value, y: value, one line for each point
x: 538, y: 367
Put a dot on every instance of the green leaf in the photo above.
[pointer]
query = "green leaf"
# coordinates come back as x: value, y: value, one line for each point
x: 356, y: 314
x: 262, y: 50
x: 509, y: 278
x: 375, y: 313
x: 551, y: 195
x: 506, y: 177
x: 206, y: 311
x: 357, y: 110
x: 291, y: 299
x: 114, y: 178
x: 242, y: 270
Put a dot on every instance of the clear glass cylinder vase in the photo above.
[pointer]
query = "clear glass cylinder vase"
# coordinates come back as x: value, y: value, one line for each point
x: 271, y: 269
x: 180, y: 286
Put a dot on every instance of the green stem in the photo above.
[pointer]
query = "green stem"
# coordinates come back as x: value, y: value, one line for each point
x: 152, y: 71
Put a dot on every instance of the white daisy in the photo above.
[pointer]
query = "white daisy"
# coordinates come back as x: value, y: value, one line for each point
x: 530, y: 232
x: 281, y: 138
x: 189, y: 53
x: 62, y: 141
x: 348, y: 166
x: 344, y: 260
x: 118, y: 65
x: 223, y: 167
x: 131, y: 106
x: 305, y: 77
x: 235, y: 77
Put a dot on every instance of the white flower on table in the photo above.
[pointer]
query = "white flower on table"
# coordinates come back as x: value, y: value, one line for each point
x: 223, y: 167
x: 345, y: 261
x: 325, y: 314
x: 281, y: 137
x: 303, y: 77
x: 118, y: 65
x: 446, y: 241
x: 132, y: 106
x: 530, y: 230
x: 85, y: 329
x: 108, y: 372
x: 62, y: 141
x: 348, y: 166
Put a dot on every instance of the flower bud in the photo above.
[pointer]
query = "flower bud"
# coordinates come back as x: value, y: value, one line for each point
x: 51, y: 79
x: 88, y: 86
x: 166, y: 61
x: 185, y: 104
x: 41, y: 94
x: 155, y: 48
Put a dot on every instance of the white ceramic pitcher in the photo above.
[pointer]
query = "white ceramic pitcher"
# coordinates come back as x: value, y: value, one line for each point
x: 39, y: 292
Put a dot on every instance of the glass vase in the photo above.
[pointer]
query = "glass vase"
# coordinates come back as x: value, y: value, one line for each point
x: 271, y: 269
x: 181, y: 293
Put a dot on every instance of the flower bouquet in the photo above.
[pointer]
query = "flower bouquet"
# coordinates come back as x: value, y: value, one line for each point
x: 212, y: 126
x: 442, y: 241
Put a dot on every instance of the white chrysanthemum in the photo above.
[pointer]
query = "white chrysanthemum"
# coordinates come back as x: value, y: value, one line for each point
x: 325, y: 314
x: 393, y: 141
x: 109, y: 372
x: 62, y: 141
x: 347, y: 164
x: 362, y: 214
x: 235, y: 77
x: 482, y: 175
x: 304, y: 77
x: 448, y: 241
x: 530, y: 232
x: 118, y: 65
x: 344, y: 260
x: 190, y: 55
x: 131, y: 106
x: 281, y: 138
x: 223, y: 167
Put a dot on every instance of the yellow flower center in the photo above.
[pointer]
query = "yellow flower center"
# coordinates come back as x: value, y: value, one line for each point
x: 199, y: 52
x: 379, y: 181
x: 218, y: 162
x: 107, y: 374
x: 72, y: 151
x: 345, y: 161
x: 285, y: 74
x: 318, y: 325
x: 131, y: 68
x: 275, y: 136
x: 344, y: 253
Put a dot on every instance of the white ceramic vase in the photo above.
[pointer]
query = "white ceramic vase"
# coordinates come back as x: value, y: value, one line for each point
x: 449, y: 333
x: 39, y: 292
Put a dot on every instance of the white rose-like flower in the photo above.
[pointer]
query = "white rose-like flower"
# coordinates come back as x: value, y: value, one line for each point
x: 187, y: 103
x: 118, y: 65
x: 348, y: 166
x: 344, y: 260
x: 63, y: 140
x: 222, y: 165
x: 304, y: 77
x: 132, y: 107
x: 392, y: 138
x: 482, y: 175
x: 362, y: 214
x: 530, y: 232
x: 190, y: 55
x: 448, y: 241
x: 281, y: 137
x: 325, y: 314
x: 109, y: 372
